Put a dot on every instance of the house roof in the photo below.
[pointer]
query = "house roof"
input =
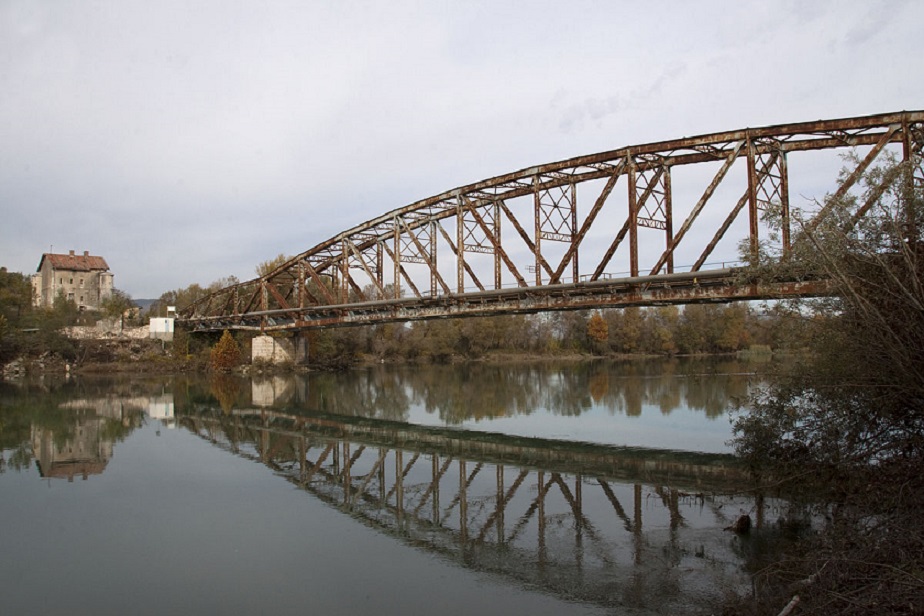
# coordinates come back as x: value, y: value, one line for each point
x: 75, y: 263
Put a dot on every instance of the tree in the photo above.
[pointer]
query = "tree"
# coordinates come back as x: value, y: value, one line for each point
x: 732, y: 330
x: 178, y: 297
x: 226, y: 354
x: 265, y: 267
x: 571, y: 329
x: 847, y: 422
x: 869, y: 336
x: 63, y: 313
x: 15, y: 295
x: 15, y: 309
x: 663, y: 322
x: 440, y: 340
x: 598, y: 331
x: 625, y: 329
x: 116, y: 305
x: 187, y: 295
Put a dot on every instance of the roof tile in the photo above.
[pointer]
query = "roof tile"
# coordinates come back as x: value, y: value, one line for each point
x: 76, y: 263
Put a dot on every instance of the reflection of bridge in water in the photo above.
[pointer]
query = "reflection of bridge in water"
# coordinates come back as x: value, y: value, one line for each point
x: 608, y: 525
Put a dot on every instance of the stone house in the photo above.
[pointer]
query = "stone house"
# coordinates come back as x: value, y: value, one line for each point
x: 84, y: 279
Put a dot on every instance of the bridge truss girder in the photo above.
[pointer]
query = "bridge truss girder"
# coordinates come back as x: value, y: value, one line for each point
x: 472, y: 250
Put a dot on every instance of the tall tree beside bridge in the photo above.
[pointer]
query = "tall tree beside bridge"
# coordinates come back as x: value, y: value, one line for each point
x: 850, y: 416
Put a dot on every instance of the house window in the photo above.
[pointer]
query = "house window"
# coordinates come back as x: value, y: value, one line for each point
x: 71, y: 281
x: 81, y: 299
x: 60, y: 280
x: 81, y: 282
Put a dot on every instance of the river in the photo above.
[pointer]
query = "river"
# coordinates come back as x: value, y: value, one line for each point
x: 542, y: 488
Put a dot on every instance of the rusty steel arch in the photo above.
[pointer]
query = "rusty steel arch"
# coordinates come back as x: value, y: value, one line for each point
x: 468, y: 251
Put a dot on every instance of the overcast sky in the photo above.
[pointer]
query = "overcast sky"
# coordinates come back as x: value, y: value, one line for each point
x: 188, y: 141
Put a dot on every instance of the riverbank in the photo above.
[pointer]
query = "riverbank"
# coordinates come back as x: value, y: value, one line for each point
x: 97, y: 356
x: 134, y: 355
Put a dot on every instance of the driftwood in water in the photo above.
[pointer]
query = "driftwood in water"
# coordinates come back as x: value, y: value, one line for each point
x: 742, y: 525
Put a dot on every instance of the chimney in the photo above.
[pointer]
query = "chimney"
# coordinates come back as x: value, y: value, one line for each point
x: 86, y: 253
x: 72, y: 253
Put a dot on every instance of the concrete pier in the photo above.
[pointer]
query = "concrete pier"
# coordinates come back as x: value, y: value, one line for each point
x: 276, y: 351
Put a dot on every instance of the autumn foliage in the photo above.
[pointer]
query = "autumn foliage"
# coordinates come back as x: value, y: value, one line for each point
x: 597, y: 330
x: 226, y: 354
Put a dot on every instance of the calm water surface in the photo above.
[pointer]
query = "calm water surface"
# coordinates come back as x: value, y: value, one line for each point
x: 579, y: 488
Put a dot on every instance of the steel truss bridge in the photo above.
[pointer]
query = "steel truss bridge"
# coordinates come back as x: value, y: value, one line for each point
x: 577, y: 520
x: 593, y: 231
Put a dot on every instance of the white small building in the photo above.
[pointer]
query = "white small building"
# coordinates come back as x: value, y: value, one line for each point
x: 161, y: 328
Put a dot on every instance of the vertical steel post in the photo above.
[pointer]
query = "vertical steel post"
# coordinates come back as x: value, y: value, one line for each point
x: 380, y: 265
x: 264, y: 303
x: 753, y: 216
x: 574, y: 229
x: 397, y: 238
x: 433, y: 263
x: 537, y: 210
x: 908, y: 201
x: 668, y: 217
x: 497, y: 239
x: 460, y: 245
x: 633, y: 220
x: 784, y: 201
x: 344, y: 273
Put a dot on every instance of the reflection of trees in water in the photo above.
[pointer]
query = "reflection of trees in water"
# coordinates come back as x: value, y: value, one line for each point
x: 378, y: 392
x: 700, y: 385
x: 459, y: 393
x: 476, y: 391
x: 227, y: 390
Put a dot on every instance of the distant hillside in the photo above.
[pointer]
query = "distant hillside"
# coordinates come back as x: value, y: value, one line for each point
x: 144, y: 304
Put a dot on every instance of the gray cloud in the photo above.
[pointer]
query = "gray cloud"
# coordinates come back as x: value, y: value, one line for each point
x: 187, y: 142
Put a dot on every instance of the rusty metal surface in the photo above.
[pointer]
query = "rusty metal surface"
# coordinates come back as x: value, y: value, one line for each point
x: 472, y: 250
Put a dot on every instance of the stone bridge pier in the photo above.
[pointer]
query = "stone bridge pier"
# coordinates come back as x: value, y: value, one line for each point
x: 279, y: 350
